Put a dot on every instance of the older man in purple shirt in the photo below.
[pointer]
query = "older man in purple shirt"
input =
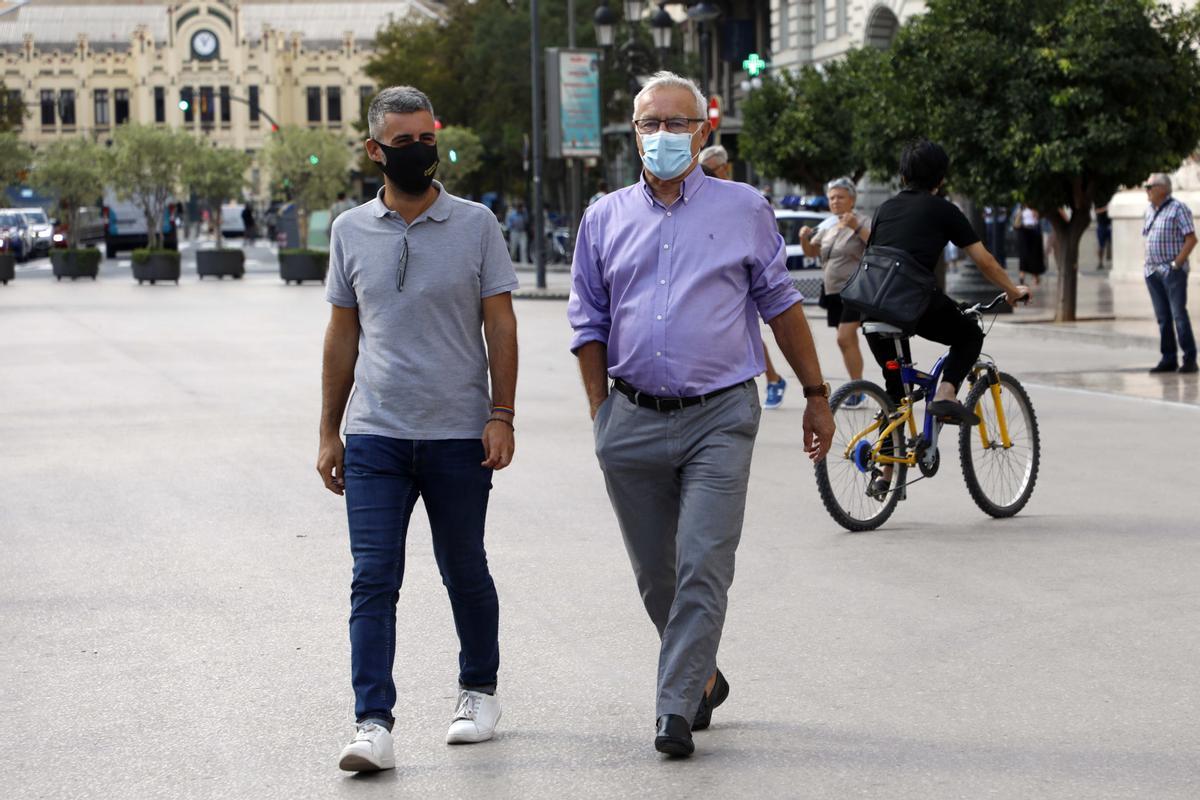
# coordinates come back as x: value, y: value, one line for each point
x: 669, y: 277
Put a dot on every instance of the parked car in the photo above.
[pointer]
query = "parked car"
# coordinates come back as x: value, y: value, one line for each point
x: 790, y: 223
x: 11, y: 238
x: 41, y: 231
x: 91, y: 228
x: 231, y: 220
x: 126, y: 229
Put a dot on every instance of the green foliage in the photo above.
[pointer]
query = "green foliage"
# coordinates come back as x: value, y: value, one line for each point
x: 141, y: 256
x: 215, y: 175
x: 86, y: 257
x: 144, y: 166
x: 15, y: 156
x: 289, y: 158
x: 468, y: 157
x: 803, y: 126
x: 73, y: 171
x: 12, y: 115
x: 304, y: 251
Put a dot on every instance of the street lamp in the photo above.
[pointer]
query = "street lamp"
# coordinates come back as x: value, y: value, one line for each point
x: 606, y: 24
x: 702, y: 13
x: 660, y: 28
x: 634, y: 9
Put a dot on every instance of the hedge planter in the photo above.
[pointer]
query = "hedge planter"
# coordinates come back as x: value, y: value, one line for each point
x: 8, y: 268
x: 221, y: 263
x: 75, y: 264
x: 303, y: 265
x: 155, y: 266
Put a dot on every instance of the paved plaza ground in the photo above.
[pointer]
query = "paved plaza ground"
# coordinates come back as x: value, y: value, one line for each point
x: 174, y: 583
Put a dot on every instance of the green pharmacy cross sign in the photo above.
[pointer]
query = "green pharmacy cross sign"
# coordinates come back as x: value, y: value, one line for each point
x: 754, y: 65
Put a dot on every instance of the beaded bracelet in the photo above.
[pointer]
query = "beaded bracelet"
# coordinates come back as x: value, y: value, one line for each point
x: 502, y: 420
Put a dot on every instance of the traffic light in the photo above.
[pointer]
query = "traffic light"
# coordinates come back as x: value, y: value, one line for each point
x: 314, y: 160
x: 453, y: 156
x: 754, y: 65
x: 183, y: 105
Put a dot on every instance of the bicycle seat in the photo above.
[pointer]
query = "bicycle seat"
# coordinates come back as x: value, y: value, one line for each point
x: 884, y: 329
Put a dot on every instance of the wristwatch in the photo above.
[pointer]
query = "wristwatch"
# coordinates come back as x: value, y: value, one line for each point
x: 820, y: 390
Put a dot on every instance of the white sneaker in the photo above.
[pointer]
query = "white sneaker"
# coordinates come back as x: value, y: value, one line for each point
x: 475, y: 718
x: 370, y: 750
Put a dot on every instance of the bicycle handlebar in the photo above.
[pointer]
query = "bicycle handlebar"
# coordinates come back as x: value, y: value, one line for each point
x: 983, y: 309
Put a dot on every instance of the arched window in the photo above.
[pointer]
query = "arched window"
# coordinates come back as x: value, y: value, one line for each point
x: 882, y: 26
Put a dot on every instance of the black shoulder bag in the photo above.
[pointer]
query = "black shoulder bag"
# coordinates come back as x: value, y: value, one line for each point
x: 889, y: 285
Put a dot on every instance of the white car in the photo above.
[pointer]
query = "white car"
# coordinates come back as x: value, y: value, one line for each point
x: 806, y: 272
x: 231, y: 220
x: 41, y: 231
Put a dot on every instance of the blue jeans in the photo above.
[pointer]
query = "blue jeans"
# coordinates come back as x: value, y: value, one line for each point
x: 1168, y: 293
x: 384, y: 478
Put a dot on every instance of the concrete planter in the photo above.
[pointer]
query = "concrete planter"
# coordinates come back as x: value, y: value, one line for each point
x: 8, y: 268
x: 155, y: 266
x: 75, y: 264
x: 221, y: 263
x: 303, y: 265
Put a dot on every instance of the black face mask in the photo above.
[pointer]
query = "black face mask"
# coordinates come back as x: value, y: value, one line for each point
x: 412, y: 167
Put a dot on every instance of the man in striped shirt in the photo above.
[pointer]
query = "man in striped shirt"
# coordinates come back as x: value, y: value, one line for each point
x: 1170, y: 236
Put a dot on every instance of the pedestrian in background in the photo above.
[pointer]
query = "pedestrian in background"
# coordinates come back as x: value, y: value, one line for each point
x: 1030, y: 253
x: 415, y: 275
x: 517, y: 224
x: 714, y: 161
x: 667, y: 277
x: 995, y: 223
x: 1170, y: 237
x: 840, y: 248
x: 340, y: 207
x: 1103, y: 237
x: 601, y: 190
x: 249, y: 231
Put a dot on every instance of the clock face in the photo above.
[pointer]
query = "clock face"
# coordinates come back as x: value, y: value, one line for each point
x: 204, y: 44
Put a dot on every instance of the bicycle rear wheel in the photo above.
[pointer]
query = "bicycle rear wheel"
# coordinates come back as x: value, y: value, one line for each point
x: 1000, y: 477
x: 844, y: 477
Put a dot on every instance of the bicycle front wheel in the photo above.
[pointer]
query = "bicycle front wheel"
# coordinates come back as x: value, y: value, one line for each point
x: 846, y: 476
x: 1000, y: 455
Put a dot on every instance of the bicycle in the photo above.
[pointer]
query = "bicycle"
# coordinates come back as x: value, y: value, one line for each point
x: 999, y: 456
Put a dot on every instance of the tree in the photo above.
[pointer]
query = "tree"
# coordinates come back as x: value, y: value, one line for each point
x: 309, y: 165
x: 461, y: 154
x: 15, y: 156
x: 1047, y: 101
x: 73, y: 171
x: 144, y: 166
x: 801, y: 126
x: 12, y: 110
x: 215, y: 175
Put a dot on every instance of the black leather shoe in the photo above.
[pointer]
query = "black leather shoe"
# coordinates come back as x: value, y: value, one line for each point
x: 1163, y: 366
x: 674, y: 737
x: 1189, y: 368
x: 710, y: 701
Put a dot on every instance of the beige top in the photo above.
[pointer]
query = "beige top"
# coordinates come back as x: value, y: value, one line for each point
x: 841, y: 250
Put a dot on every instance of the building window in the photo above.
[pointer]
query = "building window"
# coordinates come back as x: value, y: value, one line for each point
x: 121, y: 106
x: 187, y: 99
x: 254, y: 104
x: 47, y: 108
x: 14, y: 109
x: 66, y: 107
x: 333, y: 104
x: 225, y: 118
x: 365, y: 95
x: 843, y: 18
x: 160, y: 104
x: 314, y: 104
x: 102, y: 115
x: 207, y: 111
x: 785, y: 25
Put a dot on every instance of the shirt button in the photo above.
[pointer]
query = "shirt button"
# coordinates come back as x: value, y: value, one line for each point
x: 666, y: 247
x: 659, y: 316
x: 662, y: 388
x: 658, y: 354
x: 668, y: 213
x: 662, y: 283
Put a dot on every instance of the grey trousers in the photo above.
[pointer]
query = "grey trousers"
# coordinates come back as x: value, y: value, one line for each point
x: 677, y: 481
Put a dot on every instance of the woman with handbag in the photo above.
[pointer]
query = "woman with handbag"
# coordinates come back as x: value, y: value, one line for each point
x: 919, y: 222
x: 839, y: 243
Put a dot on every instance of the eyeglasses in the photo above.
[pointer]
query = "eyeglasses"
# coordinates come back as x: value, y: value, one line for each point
x: 402, y: 269
x: 648, y: 125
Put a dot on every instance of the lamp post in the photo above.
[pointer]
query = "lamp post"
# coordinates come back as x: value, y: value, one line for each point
x: 703, y: 13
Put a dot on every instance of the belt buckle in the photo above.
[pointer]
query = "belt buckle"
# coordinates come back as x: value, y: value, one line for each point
x: 657, y: 403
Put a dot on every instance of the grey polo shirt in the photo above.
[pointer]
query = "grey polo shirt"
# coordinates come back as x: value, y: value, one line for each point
x: 422, y: 370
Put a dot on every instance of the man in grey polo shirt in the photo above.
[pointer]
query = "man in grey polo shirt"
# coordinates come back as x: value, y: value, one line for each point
x: 418, y: 280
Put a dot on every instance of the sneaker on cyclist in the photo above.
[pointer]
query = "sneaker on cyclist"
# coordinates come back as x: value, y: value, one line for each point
x: 953, y: 412
x: 855, y: 400
x: 775, y: 394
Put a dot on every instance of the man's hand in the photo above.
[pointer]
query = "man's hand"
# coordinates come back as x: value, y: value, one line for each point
x: 594, y: 406
x: 818, y: 428
x: 498, y: 444
x: 331, y: 464
x: 1017, y: 294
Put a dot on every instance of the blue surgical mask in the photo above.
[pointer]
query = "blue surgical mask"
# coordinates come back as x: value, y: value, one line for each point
x: 667, y: 155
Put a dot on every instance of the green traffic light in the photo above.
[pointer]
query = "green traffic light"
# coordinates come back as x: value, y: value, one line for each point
x: 453, y: 157
x: 183, y: 105
x: 314, y: 160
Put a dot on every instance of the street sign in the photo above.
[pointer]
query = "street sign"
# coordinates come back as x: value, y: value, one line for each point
x: 714, y: 111
x: 572, y: 103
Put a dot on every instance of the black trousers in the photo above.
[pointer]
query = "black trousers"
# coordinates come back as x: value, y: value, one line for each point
x: 942, y: 323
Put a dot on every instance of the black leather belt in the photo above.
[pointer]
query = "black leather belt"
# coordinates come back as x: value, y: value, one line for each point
x: 667, y: 403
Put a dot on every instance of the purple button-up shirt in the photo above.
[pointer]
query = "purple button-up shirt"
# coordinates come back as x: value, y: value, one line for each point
x: 675, y: 292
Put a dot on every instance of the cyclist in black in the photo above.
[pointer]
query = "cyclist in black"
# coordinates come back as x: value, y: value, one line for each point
x: 920, y: 222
